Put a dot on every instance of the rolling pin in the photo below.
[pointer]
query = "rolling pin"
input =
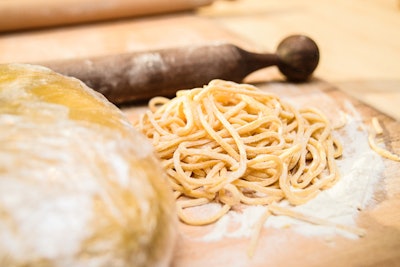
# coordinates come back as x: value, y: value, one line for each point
x: 140, y: 76
x: 30, y: 14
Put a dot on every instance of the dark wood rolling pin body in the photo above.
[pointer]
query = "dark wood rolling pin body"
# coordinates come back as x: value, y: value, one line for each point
x: 140, y: 76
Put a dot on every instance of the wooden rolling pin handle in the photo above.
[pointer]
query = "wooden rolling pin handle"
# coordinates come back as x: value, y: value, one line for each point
x: 140, y: 76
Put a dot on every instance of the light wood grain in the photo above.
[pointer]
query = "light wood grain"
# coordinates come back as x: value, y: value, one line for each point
x: 359, y: 40
x: 29, y: 14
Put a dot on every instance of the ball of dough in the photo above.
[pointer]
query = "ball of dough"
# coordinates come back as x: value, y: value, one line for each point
x: 78, y: 185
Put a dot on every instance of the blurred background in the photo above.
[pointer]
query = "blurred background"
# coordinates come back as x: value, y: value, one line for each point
x: 359, y: 40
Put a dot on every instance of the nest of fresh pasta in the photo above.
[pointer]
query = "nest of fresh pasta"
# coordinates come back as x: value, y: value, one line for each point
x: 235, y: 144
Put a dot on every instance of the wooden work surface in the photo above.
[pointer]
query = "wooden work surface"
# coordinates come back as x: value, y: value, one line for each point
x: 284, y: 246
x: 259, y: 25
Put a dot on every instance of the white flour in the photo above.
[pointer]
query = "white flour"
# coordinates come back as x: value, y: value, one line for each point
x: 360, y: 169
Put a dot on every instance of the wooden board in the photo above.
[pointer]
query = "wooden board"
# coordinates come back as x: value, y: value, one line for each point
x: 276, y: 247
x: 287, y: 247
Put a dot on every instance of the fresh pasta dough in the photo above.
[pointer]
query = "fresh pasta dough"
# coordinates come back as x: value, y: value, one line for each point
x: 79, y: 186
x: 235, y: 144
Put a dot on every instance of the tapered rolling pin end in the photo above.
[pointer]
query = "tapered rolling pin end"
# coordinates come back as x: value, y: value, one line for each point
x: 298, y: 57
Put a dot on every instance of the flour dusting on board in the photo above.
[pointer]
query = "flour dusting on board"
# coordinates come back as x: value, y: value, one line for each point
x: 360, y: 169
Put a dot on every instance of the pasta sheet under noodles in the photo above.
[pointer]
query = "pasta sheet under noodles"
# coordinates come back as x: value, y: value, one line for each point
x: 234, y: 144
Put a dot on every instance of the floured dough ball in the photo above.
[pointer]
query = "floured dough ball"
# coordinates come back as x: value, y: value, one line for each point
x: 78, y: 185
